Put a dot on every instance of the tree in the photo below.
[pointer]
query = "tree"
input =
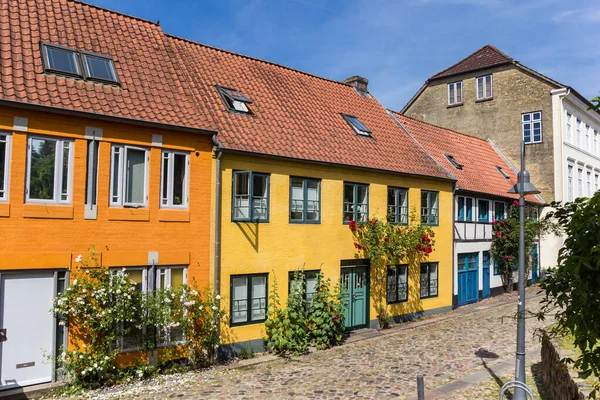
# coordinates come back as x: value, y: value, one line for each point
x: 505, y: 241
x: 595, y: 104
x: 572, y: 289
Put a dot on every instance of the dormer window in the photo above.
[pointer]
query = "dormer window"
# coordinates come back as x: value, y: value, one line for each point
x: 357, y: 125
x: 60, y: 59
x: 235, y: 100
x: 454, y: 162
x: 99, y: 67
x: 502, y: 172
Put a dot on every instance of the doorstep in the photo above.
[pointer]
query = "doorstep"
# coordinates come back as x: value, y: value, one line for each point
x: 29, y: 392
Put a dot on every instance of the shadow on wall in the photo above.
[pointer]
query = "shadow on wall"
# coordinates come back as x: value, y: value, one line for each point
x: 250, y: 231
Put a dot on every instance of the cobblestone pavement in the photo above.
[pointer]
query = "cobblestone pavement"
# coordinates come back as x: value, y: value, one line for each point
x: 381, y: 367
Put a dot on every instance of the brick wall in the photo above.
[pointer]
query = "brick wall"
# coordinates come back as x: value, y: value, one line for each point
x: 557, y: 380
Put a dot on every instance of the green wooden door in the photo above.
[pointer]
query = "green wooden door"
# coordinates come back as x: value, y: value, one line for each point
x: 355, y: 281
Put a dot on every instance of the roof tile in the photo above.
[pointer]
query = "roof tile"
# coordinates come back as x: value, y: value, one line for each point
x: 487, y: 56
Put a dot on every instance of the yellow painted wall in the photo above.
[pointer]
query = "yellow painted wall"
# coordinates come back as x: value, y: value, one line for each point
x: 36, y: 236
x: 278, y: 247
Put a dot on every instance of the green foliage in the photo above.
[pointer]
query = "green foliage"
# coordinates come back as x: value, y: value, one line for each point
x: 595, y: 104
x: 326, y: 319
x: 104, y: 312
x: 572, y: 289
x: 246, y: 351
x: 382, y: 315
x: 505, y: 241
x: 290, y: 329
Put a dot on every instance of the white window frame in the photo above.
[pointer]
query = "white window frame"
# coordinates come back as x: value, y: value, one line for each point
x: 121, y: 176
x: 168, y: 201
x: 454, y: 100
x: 483, y: 80
x: 569, y: 117
x: 596, y: 181
x: 164, y: 338
x: 578, y: 138
x: 58, y: 172
x: 120, y: 272
x: 579, y: 181
x: 570, y: 182
x: 531, y: 122
x: 4, y: 191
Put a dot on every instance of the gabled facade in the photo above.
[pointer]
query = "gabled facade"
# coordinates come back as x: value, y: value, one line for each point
x: 298, y: 157
x: 490, y: 95
x: 481, y: 198
x: 99, y: 146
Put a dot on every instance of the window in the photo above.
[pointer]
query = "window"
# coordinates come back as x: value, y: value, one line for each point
x: 174, y: 179
x: 4, y: 165
x: 91, y: 182
x: 356, y: 202
x: 305, y: 200
x: 484, y: 87
x: 454, y: 93
x: 532, y: 127
x: 595, y: 149
x: 429, y: 280
x: 580, y: 182
x: 397, y: 284
x: 49, y: 170
x: 596, y: 181
x: 234, y: 100
x: 397, y: 206
x: 578, y: 138
x: 499, y: 211
x: 60, y: 59
x: 133, y: 339
x: 454, y: 162
x: 486, y: 260
x: 429, y: 208
x: 250, y: 196
x: 570, y: 183
x: 589, y: 183
x: 308, y: 281
x: 569, y: 131
x: 502, y: 172
x: 99, y: 67
x: 483, y: 207
x: 467, y: 261
x: 170, y: 278
x: 496, y: 265
x: 129, y: 176
x: 248, y: 299
x: 357, y: 125
x: 465, y: 209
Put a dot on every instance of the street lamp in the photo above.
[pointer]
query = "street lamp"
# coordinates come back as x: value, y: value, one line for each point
x: 523, y: 188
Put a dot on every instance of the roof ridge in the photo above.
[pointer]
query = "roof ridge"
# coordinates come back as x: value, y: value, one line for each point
x: 439, y: 127
x: 253, y: 58
x: 113, y: 11
x: 470, y: 55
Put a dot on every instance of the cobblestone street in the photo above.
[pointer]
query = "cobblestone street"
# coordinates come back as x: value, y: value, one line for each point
x: 443, y: 349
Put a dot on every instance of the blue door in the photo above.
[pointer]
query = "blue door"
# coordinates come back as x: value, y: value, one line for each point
x: 355, y: 282
x: 535, y: 261
x: 468, y: 278
x: 485, y: 271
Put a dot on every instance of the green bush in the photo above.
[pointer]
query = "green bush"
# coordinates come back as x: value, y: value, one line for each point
x: 326, y: 320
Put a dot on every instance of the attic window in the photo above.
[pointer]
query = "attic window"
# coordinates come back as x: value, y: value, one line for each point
x: 504, y: 174
x: 60, y: 59
x: 99, y: 67
x: 235, y: 100
x: 357, y: 125
x: 453, y: 161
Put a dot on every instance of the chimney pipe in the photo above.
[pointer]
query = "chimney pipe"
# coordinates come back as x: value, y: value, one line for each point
x: 358, y: 82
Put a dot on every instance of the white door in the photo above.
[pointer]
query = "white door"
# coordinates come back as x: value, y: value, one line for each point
x: 25, y: 301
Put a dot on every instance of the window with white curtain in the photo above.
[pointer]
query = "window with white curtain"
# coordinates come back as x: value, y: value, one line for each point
x: 249, y: 294
x: 305, y: 199
x: 484, y: 87
x: 49, y: 170
x: 455, y: 93
x: 129, y: 176
x: 174, y: 179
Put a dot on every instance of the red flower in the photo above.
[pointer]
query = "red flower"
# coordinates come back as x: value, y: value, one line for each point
x: 336, y: 318
x: 387, y: 240
x: 498, y: 234
x: 494, y: 222
x: 516, y: 202
x: 352, y: 225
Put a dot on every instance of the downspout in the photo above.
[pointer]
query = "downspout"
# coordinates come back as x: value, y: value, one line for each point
x: 454, y: 189
x: 217, y: 148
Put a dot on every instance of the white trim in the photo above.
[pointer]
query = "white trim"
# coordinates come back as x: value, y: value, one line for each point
x: 157, y: 140
x: 20, y: 124
x: 4, y: 197
x: 58, y: 171
x: 454, y: 100
x: 170, y: 155
x: 484, y: 97
x: 122, y: 174
x: 93, y: 133
x: 531, y: 122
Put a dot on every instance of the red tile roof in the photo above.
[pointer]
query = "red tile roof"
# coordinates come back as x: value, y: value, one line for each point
x: 150, y: 90
x: 485, y: 57
x: 478, y: 157
x: 297, y: 115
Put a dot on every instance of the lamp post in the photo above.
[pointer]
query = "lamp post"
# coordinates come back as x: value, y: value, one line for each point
x: 523, y: 187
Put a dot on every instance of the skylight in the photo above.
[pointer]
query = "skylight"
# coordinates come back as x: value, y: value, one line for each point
x: 60, y: 59
x: 235, y: 100
x: 502, y: 172
x: 63, y: 60
x: 454, y: 162
x: 99, y: 67
x: 357, y: 125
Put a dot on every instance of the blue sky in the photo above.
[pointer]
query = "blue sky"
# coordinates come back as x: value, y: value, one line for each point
x: 397, y: 45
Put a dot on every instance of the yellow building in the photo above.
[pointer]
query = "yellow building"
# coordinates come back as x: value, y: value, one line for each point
x: 297, y: 158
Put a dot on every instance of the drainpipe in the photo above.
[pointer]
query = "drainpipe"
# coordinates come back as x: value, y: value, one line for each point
x: 454, y: 189
x: 217, y: 148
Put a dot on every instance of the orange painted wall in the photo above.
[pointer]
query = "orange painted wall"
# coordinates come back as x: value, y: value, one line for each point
x: 37, y: 236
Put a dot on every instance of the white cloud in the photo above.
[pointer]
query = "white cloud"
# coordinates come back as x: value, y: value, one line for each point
x: 586, y: 14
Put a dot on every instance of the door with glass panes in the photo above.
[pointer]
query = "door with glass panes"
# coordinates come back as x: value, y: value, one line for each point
x: 355, y: 283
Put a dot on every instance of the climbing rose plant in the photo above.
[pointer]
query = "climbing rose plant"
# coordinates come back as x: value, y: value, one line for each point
x: 103, y: 309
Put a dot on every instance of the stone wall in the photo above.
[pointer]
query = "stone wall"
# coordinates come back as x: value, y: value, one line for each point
x: 558, y: 383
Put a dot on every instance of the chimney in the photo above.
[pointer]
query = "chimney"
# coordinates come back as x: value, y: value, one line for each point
x: 358, y: 82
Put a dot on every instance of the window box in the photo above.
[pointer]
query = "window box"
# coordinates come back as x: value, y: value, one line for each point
x: 397, y: 206
x: 250, y: 200
x: 249, y: 299
x: 129, y: 176
x: 397, y: 284
x: 429, y: 280
x: 305, y: 200
x: 429, y: 208
x: 356, y: 202
x: 49, y: 170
